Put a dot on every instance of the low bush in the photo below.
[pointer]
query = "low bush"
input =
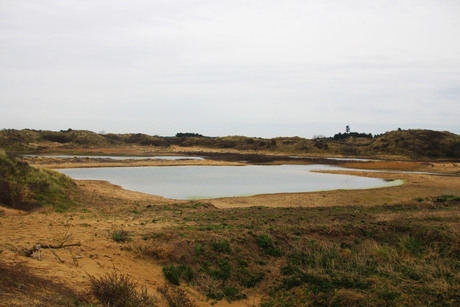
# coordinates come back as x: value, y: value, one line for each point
x: 120, y: 236
x: 174, y: 273
x: 222, y: 246
x: 175, y: 296
x: 117, y: 289
x: 266, y: 242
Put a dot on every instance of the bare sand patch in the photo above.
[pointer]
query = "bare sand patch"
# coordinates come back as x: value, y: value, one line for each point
x: 56, y: 163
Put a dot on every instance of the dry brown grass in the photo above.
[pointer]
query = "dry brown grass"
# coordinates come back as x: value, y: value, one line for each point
x: 161, y: 252
x: 175, y: 296
x: 385, y: 165
x: 118, y: 289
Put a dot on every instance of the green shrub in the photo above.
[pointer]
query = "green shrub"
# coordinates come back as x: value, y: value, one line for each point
x: 248, y: 279
x: 443, y: 198
x: 221, y: 246
x: 274, y: 251
x: 232, y: 293
x: 223, y: 272
x: 265, y: 241
x: 171, y: 274
x: 198, y: 249
x: 120, y: 236
x: 174, y: 273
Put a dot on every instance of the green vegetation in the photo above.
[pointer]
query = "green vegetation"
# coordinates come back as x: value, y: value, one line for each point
x: 27, y: 188
x: 418, y: 143
x: 174, y: 273
x: 343, y: 136
x: 415, y: 144
x: 401, y: 254
x: 120, y: 236
x: 188, y: 135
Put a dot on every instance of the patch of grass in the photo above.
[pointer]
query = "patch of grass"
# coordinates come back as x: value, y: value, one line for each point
x: 412, y: 245
x: 249, y: 279
x: 444, y: 198
x: 175, y: 296
x: 379, y: 255
x: 120, y: 236
x: 157, y: 235
x: 117, y: 289
x: 198, y: 249
x: 266, y: 242
x: 28, y: 188
x: 221, y: 246
x: 174, y: 273
x: 232, y: 293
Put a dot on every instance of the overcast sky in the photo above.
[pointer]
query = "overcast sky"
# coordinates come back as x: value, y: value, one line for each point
x: 230, y: 67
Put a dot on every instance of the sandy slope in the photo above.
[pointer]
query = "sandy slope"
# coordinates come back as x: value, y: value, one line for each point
x: 98, y: 253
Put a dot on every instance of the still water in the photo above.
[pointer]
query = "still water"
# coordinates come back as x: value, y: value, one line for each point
x: 200, y: 182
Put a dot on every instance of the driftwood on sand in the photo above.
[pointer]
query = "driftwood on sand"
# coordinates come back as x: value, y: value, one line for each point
x: 35, y: 251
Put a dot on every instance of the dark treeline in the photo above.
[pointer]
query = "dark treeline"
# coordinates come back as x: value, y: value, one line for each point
x: 342, y: 136
x: 188, y: 135
x: 416, y: 144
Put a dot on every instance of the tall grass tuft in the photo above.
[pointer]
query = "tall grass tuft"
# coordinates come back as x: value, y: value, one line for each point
x: 117, y: 289
x: 175, y: 296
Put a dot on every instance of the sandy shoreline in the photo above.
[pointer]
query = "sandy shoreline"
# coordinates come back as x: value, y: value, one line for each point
x: 57, y: 163
x: 415, y: 186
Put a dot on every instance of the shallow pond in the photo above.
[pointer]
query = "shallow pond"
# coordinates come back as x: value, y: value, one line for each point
x: 200, y: 182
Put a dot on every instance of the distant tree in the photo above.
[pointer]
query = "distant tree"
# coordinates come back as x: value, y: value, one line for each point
x: 347, y: 129
x: 188, y: 134
x: 342, y: 136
